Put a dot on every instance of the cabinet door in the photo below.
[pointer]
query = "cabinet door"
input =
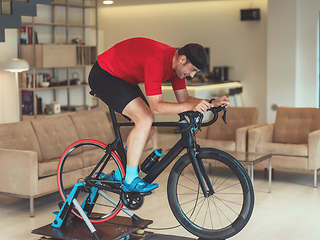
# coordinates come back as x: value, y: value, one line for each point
x: 50, y: 55
x: 59, y: 56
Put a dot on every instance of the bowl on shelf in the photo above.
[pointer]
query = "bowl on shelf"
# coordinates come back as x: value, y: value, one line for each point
x: 44, y: 84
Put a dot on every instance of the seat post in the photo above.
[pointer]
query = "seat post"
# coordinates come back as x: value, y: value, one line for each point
x: 116, y: 128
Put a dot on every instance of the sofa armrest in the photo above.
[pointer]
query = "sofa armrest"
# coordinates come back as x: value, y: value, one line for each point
x: 242, y: 136
x: 203, y: 133
x: 18, y: 172
x: 314, y: 150
x: 258, y: 135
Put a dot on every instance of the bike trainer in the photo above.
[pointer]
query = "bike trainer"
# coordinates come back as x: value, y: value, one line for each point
x: 67, y: 226
x: 118, y: 228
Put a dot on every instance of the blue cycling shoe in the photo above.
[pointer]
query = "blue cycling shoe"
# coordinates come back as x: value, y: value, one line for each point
x: 113, y: 180
x: 139, y: 185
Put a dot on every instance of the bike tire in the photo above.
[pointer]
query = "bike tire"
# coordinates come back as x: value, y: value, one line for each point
x: 224, y: 162
x: 91, y: 151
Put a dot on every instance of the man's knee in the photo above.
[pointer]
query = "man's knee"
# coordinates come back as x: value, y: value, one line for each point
x: 145, y: 121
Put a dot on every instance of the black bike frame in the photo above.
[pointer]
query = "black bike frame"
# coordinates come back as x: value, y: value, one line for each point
x: 187, y: 141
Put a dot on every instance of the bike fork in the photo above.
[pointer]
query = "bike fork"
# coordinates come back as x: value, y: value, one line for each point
x: 201, y: 174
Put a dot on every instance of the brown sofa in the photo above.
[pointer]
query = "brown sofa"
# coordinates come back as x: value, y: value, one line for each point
x: 30, y: 150
x: 293, y: 140
x: 233, y: 135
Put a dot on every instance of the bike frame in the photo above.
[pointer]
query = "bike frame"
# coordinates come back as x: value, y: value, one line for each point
x: 187, y: 141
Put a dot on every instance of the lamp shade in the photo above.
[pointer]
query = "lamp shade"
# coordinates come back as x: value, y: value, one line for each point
x: 15, y: 65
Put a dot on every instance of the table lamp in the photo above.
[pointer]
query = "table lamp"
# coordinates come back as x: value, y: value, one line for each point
x: 15, y: 65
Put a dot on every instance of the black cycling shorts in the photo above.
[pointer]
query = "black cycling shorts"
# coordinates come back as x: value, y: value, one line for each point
x: 113, y: 91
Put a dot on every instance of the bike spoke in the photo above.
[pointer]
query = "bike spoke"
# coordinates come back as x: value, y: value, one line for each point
x: 217, y: 211
x: 227, y: 206
x: 191, y: 200
x: 191, y: 180
x: 192, y: 209
x: 224, y: 214
x: 185, y: 194
x: 228, y: 200
x: 199, y: 209
x: 187, y: 187
x: 210, y: 215
x: 226, y: 178
x: 220, y: 190
x: 205, y: 216
x: 230, y: 193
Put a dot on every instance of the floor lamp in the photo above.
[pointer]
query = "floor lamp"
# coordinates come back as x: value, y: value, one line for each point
x: 16, y: 65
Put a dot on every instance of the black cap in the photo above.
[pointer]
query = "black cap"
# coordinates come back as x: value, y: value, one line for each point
x: 195, y: 53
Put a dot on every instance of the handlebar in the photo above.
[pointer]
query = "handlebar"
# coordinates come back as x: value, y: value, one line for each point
x: 195, y: 119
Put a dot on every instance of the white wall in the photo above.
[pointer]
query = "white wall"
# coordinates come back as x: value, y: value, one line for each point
x: 292, y: 72
x: 307, y: 82
x: 281, y: 63
x: 9, y: 98
x: 216, y: 24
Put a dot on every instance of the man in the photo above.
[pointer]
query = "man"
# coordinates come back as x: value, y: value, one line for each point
x: 114, y: 79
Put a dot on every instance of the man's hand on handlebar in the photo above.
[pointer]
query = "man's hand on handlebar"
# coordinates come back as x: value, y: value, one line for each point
x: 202, y: 106
x: 221, y: 101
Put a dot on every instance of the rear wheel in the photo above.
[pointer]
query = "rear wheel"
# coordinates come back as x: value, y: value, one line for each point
x: 76, y: 163
x: 226, y: 211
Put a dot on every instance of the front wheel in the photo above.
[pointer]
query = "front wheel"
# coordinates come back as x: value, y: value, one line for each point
x: 225, y: 212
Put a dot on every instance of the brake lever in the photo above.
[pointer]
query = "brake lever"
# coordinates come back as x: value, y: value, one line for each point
x: 216, y: 110
x: 224, y: 116
x: 192, y: 116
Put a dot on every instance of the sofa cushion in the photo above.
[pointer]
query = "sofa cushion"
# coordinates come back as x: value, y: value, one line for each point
x: 20, y: 136
x: 283, y: 149
x: 237, y: 117
x: 93, y: 124
x: 49, y: 168
x: 220, y: 144
x: 55, y: 134
x: 294, y: 124
x: 92, y: 157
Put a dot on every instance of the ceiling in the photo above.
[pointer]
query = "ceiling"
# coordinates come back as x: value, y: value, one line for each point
x: 142, y: 2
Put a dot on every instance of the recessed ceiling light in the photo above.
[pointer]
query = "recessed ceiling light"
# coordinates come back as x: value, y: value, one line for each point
x: 107, y: 2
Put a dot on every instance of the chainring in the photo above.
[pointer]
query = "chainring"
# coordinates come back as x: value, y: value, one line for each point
x: 132, y: 200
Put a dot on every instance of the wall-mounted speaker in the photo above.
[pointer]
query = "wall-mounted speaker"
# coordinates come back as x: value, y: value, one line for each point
x: 252, y: 14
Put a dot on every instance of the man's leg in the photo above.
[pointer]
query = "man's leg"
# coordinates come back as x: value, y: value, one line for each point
x: 141, y: 115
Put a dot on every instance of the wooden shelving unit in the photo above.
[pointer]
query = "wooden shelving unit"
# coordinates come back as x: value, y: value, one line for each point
x: 57, y: 57
x: 52, y: 88
x: 73, y: 5
x: 58, y: 25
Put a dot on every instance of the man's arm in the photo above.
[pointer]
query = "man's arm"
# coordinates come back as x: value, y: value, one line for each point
x: 158, y: 106
x: 183, y: 96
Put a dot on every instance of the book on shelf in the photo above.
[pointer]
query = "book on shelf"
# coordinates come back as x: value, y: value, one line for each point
x: 27, y: 34
x: 39, y: 78
x: 27, y: 80
x: 86, y: 55
x: 27, y: 102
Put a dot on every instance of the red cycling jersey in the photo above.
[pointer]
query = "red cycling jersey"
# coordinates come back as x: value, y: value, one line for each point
x: 139, y: 60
